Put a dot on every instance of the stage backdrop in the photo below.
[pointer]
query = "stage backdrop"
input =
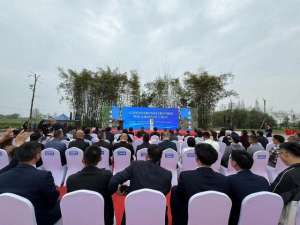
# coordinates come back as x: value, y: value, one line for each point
x: 162, y: 118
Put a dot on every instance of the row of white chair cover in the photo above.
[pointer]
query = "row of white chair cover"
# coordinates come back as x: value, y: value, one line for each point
x: 170, y: 160
x: 206, y: 208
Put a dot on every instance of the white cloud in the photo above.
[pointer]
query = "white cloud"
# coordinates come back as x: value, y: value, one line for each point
x: 256, y: 40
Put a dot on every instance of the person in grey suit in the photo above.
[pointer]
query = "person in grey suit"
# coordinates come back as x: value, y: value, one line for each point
x: 255, y: 146
x: 58, y: 145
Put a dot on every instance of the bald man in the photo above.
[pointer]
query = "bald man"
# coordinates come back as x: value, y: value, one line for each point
x: 124, y: 143
x: 79, y: 141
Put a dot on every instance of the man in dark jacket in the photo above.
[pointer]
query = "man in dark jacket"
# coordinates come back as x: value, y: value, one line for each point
x: 287, y: 184
x: 166, y: 143
x: 79, y: 141
x: 35, y: 185
x: 104, y: 143
x: 195, y: 181
x: 144, y: 174
x: 243, y: 183
x: 94, y: 179
x: 262, y: 139
x: 145, y: 144
x: 124, y: 143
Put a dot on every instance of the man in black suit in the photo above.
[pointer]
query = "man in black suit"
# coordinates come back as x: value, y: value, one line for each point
x: 144, y: 174
x: 79, y: 141
x: 195, y: 181
x: 166, y: 143
x: 103, y: 142
x: 243, y: 183
x: 94, y: 179
x: 109, y: 135
x: 35, y: 185
x: 145, y: 144
x: 124, y: 143
x: 262, y: 139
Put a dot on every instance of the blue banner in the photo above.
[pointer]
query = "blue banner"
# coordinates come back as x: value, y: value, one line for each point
x: 162, y: 118
x: 185, y: 114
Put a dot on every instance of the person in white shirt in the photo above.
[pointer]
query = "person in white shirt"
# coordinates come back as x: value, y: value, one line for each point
x: 208, y: 140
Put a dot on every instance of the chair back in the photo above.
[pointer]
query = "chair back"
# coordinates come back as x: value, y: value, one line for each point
x: 150, y: 205
x: 141, y: 154
x: 263, y: 208
x: 104, y: 163
x: 202, y: 205
x: 51, y: 159
x: 52, y: 162
x: 82, y: 207
x: 4, y: 160
x: 188, y: 159
x: 169, y: 159
x: 122, y: 158
x: 74, y: 157
x: 260, y: 163
x: 16, y: 210
x: 298, y: 215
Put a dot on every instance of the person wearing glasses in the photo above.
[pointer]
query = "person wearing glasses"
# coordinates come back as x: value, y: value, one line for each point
x: 287, y: 184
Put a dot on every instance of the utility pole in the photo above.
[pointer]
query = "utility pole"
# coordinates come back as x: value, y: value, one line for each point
x: 265, y: 105
x: 33, y: 87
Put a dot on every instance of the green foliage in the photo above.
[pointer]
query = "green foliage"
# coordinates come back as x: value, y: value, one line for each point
x: 90, y: 93
x: 242, y: 118
x: 204, y: 91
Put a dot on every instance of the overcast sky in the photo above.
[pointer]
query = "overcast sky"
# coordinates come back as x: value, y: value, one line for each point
x: 258, y: 41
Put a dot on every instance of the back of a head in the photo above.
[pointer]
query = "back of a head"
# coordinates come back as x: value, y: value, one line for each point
x: 79, y: 134
x: 155, y: 129
x: 124, y: 137
x: 92, y: 155
x: 199, y: 133
x: 291, y: 147
x: 206, y: 154
x: 166, y: 136
x: 146, y: 138
x: 191, y: 142
x: 235, y: 138
x: 279, y: 138
x: 87, y: 131
x: 222, y: 132
x: 214, y: 134
x: 253, y: 138
x: 58, y: 133
x: 28, y: 151
x: 242, y: 158
x: 206, y: 134
x: 260, y: 133
x: 101, y: 135
x: 245, y: 132
x: 154, y: 153
x: 35, y: 136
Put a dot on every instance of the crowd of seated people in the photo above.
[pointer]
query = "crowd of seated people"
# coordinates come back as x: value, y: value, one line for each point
x: 23, y: 178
